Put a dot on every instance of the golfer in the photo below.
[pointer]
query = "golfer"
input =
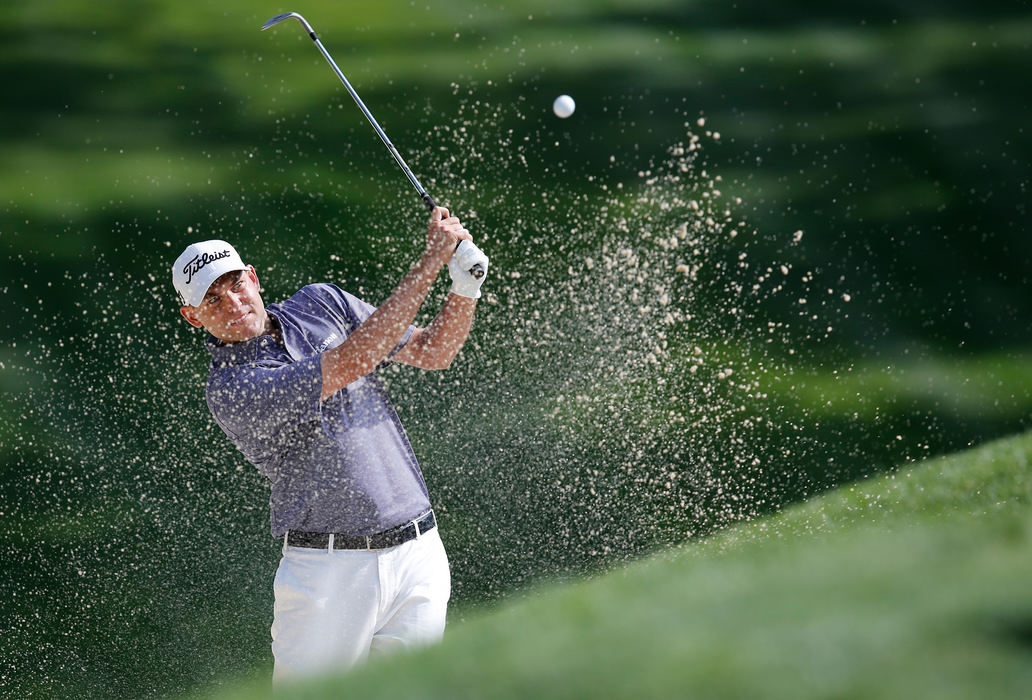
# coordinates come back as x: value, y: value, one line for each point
x: 294, y: 385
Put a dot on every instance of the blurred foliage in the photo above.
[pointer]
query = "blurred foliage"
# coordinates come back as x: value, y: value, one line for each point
x: 894, y: 135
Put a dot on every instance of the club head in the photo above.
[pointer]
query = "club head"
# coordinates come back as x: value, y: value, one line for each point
x: 288, y: 15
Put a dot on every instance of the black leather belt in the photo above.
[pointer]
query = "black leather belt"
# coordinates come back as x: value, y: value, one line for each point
x: 382, y: 540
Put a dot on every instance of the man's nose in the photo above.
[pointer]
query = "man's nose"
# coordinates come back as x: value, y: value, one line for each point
x: 235, y: 300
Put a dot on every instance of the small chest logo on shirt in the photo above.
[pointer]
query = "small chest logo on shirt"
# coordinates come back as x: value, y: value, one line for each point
x: 326, y: 343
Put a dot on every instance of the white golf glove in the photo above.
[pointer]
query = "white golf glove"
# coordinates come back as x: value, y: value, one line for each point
x: 467, y: 262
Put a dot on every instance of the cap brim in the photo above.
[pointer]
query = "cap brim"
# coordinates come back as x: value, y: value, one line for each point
x: 205, y: 279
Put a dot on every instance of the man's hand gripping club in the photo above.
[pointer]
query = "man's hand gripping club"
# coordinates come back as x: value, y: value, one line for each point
x: 371, y: 342
x: 468, y: 264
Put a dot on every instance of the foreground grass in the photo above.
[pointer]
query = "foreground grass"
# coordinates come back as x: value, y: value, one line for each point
x: 915, y: 584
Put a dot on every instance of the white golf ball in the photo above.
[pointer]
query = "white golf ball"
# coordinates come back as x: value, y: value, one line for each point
x: 563, y: 106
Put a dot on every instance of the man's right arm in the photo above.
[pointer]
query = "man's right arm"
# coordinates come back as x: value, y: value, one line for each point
x: 369, y: 344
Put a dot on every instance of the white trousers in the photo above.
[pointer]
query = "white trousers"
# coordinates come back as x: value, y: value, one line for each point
x: 336, y: 607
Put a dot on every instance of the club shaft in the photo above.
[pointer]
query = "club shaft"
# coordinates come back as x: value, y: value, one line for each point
x: 477, y: 270
x: 372, y: 120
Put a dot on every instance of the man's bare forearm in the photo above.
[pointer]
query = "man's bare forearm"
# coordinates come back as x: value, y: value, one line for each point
x: 437, y: 345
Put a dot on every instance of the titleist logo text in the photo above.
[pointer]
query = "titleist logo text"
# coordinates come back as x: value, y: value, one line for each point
x: 199, y: 261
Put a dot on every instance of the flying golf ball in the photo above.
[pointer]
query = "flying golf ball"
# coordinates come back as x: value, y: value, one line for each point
x: 563, y: 106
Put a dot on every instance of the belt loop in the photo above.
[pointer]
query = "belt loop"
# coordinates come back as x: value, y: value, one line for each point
x: 329, y: 544
x: 286, y: 538
x: 368, y: 544
x: 415, y: 524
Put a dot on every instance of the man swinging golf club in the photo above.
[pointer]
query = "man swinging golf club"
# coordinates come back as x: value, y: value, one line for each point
x: 295, y: 388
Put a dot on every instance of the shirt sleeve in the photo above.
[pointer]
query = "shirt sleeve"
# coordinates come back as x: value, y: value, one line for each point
x: 259, y: 405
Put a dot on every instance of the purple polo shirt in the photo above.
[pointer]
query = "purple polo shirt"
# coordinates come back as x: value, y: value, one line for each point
x: 339, y: 465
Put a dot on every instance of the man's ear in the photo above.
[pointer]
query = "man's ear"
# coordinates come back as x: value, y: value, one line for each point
x: 188, y: 314
x: 254, y: 277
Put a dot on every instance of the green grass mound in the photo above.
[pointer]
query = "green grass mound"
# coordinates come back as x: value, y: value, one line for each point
x: 915, y: 584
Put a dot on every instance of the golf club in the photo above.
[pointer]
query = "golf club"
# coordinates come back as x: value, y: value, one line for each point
x: 477, y: 270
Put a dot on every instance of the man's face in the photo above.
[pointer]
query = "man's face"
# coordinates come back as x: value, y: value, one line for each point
x: 232, y: 309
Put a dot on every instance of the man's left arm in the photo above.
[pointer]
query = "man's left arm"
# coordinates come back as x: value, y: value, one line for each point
x: 435, y: 346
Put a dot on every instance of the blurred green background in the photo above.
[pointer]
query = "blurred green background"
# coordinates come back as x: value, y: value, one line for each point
x: 588, y: 420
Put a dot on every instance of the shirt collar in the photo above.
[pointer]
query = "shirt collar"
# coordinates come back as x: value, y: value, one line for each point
x: 238, y: 353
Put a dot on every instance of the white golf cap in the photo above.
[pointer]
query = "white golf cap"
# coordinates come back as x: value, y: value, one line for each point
x: 200, y: 265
